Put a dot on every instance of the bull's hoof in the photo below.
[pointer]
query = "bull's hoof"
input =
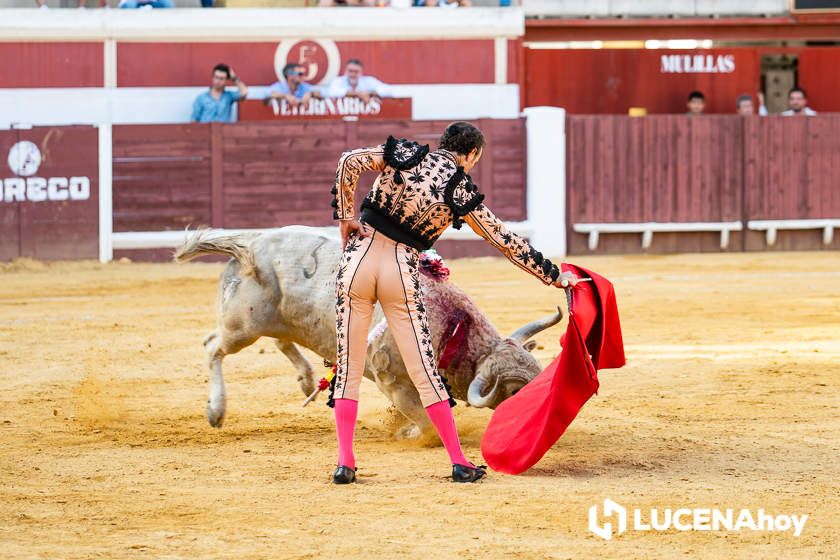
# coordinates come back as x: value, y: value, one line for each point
x: 412, y: 431
x: 308, y: 386
x: 215, y: 416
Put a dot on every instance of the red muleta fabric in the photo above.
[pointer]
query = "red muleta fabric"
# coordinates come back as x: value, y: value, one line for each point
x: 527, y: 424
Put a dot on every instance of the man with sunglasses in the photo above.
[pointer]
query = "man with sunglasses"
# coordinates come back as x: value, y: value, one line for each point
x: 294, y: 90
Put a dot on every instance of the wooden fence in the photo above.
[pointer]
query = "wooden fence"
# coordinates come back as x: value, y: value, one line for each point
x: 255, y: 174
x: 49, y: 206
x: 666, y: 168
x: 716, y: 168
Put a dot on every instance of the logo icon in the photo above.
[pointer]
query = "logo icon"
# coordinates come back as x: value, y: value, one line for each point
x: 24, y: 158
x: 319, y: 57
x: 605, y: 531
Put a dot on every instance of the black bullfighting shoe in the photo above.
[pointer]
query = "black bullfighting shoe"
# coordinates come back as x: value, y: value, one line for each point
x: 344, y: 475
x: 465, y: 473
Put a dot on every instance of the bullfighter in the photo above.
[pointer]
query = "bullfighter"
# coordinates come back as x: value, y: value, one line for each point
x: 418, y: 194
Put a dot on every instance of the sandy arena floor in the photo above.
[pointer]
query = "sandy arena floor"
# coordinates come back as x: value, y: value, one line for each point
x: 730, y: 399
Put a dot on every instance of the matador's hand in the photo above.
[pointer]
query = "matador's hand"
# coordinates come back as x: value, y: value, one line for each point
x: 349, y: 227
x: 565, y: 280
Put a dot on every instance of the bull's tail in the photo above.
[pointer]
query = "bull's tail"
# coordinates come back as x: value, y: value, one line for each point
x: 205, y: 242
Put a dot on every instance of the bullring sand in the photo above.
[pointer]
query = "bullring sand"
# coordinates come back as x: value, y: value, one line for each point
x: 729, y: 399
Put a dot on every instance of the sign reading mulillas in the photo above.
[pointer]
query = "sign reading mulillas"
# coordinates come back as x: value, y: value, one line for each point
x: 697, y: 64
x: 816, y: 6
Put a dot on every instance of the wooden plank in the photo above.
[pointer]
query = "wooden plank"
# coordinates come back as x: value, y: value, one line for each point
x: 162, y: 176
x: 276, y: 174
x: 217, y: 210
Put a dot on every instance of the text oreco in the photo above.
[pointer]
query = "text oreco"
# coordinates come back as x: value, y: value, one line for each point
x: 41, y: 189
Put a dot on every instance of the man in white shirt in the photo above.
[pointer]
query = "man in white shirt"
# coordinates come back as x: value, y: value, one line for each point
x: 744, y: 105
x: 355, y: 84
x: 798, y: 103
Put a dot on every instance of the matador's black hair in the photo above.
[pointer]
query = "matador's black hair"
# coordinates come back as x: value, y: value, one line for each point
x: 461, y: 137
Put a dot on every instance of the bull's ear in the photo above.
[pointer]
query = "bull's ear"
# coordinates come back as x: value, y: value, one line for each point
x: 530, y: 345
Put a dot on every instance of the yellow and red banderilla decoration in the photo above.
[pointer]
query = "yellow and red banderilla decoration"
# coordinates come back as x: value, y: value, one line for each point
x: 323, y: 385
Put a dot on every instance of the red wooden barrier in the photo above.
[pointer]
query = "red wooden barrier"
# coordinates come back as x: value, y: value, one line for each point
x: 792, y: 171
x: 279, y: 174
x: 715, y: 168
x: 161, y: 176
x: 49, y: 207
x: 269, y: 174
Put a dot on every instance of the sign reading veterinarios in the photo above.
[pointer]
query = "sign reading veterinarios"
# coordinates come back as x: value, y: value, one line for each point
x: 343, y: 107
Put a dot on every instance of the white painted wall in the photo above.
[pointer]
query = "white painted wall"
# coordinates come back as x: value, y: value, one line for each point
x: 653, y: 8
x: 255, y: 24
x: 55, y: 106
x: 546, y: 195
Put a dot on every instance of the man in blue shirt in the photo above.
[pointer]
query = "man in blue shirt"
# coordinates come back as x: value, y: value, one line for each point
x: 294, y: 90
x: 215, y: 105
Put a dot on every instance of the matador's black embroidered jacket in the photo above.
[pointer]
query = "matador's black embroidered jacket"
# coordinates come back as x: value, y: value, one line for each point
x: 418, y: 194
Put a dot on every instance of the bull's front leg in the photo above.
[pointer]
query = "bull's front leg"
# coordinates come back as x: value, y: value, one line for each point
x: 306, y: 374
x: 217, y: 401
x: 403, y: 394
x: 407, y: 400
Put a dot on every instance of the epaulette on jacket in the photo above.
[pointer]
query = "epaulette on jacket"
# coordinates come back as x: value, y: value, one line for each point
x: 461, y: 208
x: 403, y: 155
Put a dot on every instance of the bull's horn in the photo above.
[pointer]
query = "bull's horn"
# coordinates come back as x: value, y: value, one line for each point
x: 476, y: 396
x: 531, y: 329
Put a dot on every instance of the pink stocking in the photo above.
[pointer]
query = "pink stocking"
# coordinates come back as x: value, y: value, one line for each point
x: 346, y: 411
x: 441, y: 416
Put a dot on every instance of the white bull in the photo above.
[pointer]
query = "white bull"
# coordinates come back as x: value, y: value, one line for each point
x: 281, y: 284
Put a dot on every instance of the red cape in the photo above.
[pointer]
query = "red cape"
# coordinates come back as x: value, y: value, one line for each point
x: 527, y: 424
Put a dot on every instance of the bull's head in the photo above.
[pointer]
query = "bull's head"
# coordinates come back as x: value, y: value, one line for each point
x: 509, y: 366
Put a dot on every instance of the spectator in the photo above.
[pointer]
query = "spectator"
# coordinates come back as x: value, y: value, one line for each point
x: 294, y: 90
x: 696, y: 103
x: 215, y: 105
x: 744, y: 105
x: 355, y: 84
x: 132, y: 4
x: 330, y: 3
x: 798, y: 103
x: 82, y: 4
x: 443, y: 3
